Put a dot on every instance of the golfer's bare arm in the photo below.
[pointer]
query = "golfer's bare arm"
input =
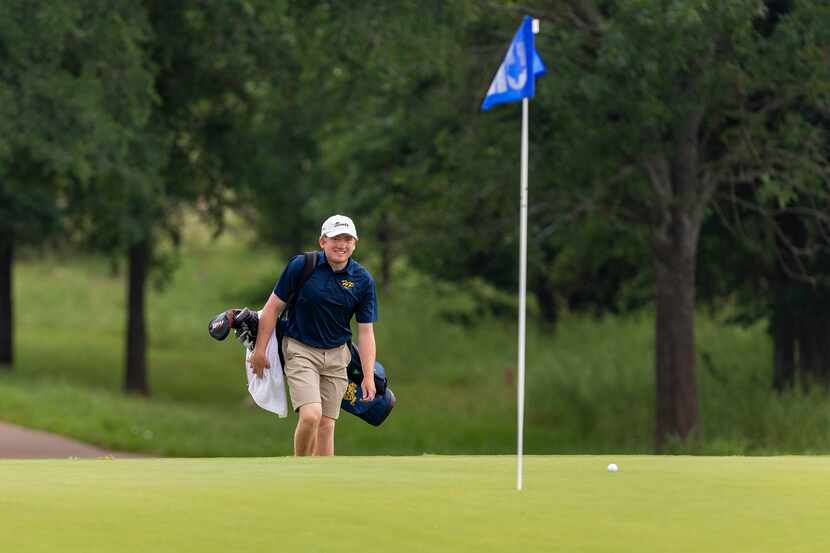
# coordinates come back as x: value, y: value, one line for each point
x: 368, y: 353
x: 267, y: 321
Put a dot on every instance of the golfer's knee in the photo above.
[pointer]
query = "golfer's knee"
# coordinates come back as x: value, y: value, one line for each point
x: 310, y: 414
x: 326, y: 425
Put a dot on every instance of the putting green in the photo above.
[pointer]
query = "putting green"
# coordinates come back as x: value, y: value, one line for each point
x: 419, y: 504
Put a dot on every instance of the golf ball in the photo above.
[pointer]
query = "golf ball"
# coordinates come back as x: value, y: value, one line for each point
x: 613, y: 467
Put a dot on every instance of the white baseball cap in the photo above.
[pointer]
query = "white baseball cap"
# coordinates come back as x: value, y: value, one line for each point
x: 338, y: 224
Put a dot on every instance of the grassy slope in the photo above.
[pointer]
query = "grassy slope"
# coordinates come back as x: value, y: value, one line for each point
x: 654, y: 504
x: 590, y: 387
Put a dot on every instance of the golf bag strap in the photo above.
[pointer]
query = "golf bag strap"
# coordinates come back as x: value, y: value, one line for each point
x: 308, y: 268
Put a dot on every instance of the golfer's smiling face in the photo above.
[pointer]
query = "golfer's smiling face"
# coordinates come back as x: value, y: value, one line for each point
x: 338, y: 249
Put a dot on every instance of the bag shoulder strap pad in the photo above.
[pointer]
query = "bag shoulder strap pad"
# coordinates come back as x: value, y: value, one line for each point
x: 308, y: 268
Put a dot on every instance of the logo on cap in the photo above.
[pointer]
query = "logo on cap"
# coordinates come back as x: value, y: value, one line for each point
x: 335, y: 223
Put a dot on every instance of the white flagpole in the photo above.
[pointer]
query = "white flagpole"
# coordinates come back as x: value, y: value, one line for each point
x: 522, y: 290
x: 523, y: 280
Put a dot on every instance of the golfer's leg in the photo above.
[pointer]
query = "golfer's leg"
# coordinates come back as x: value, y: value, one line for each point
x: 303, y: 379
x: 333, y: 384
x: 325, y: 437
x: 305, y: 435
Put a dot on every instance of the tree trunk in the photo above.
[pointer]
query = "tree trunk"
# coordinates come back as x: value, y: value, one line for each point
x: 384, y: 236
x: 823, y: 364
x: 813, y: 350
x: 823, y: 333
x: 6, y: 311
x: 783, y: 343
x: 807, y: 350
x: 675, y: 263
x: 136, y: 376
x: 546, y: 297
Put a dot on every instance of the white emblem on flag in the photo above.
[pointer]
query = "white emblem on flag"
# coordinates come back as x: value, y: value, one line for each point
x: 516, y: 62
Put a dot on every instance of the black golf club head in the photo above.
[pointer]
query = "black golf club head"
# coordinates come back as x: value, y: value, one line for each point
x: 220, y: 326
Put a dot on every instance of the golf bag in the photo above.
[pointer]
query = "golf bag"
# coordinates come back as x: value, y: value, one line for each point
x: 245, y: 324
x: 374, y: 412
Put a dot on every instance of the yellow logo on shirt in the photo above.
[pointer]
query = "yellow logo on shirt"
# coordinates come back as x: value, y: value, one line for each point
x: 346, y: 283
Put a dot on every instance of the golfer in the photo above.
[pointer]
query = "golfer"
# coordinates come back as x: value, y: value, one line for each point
x: 317, y: 333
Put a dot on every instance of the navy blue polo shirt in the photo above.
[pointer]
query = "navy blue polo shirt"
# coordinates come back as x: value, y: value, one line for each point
x: 324, y: 306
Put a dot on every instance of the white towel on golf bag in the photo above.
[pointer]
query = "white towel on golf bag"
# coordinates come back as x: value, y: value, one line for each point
x: 269, y: 391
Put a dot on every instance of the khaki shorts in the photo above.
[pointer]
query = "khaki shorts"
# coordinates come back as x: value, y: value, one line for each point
x: 316, y: 375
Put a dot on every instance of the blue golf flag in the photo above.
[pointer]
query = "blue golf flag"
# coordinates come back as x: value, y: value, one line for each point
x: 516, y: 77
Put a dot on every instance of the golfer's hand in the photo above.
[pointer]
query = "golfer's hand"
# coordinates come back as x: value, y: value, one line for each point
x: 368, y: 389
x: 259, y: 362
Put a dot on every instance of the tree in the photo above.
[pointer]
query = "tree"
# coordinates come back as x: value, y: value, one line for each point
x: 216, y: 63
x: 676, y: 98
x: 775, y: 268
x: 653, y: 110
x: 393, y: 147
x: 338, y: 135
x: 213, y: 68
x: 72, y: 77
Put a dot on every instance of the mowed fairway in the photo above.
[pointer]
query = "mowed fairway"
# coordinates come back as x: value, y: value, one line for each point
x: 423, y: 504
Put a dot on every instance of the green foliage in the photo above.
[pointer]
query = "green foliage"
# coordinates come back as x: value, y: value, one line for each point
x: 74, y: 83
x: 212, y: 67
